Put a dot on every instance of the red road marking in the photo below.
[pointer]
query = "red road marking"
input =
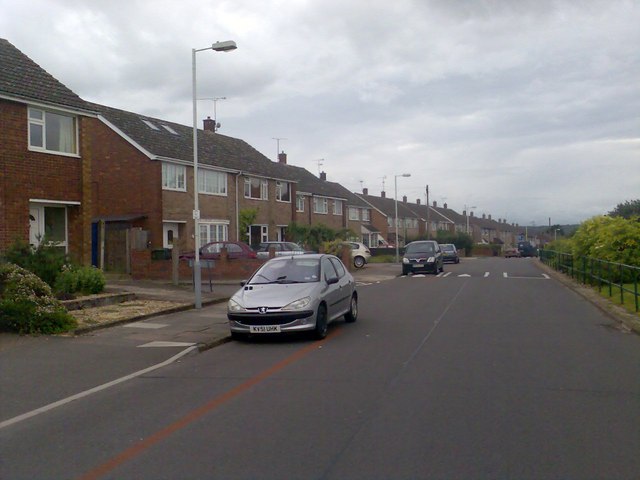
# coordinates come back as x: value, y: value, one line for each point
x: 194, y: 415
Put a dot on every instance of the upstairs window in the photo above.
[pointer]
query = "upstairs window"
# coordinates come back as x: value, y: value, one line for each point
x: 320, y: 205
x: 365, y: 215
x: 353, y: 214
x: 212, y: 182
x: 337, y: 207
x: 299, y: 203
x: 283, y: 191
x: 256, y: 188
x: 173, y: 177
x: 52, y: 131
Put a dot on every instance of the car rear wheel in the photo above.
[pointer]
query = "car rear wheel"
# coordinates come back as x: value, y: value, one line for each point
x: 358, y: 262
x: 352, y: 315
x: 320, y: 331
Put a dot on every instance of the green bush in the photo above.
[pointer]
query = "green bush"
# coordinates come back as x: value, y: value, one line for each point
x: 27, y: 304
x: 46, y: 261
x: 614, y: 239
x: 72, y: 279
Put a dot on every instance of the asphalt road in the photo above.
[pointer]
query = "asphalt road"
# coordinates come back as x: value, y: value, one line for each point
x: 491, y: 371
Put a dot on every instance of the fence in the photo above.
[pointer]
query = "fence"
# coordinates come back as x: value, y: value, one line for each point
x: 599, y: 273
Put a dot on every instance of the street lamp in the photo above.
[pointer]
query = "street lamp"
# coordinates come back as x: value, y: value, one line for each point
x: 395, y: 180
x: 225, y: 46
x: 466, y: 214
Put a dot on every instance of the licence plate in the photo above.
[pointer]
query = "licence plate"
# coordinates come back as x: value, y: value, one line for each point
x: 419, y: 265
x: 264, y: 329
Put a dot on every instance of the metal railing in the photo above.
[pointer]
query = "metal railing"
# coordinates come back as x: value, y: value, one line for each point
x: 597, y: 273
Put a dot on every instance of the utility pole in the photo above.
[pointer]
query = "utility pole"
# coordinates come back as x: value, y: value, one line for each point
x: 428, y: 216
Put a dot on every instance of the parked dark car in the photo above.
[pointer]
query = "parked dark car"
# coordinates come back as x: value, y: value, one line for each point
x: 211, y: 251
x: 527, y: 250
x: 294, y: 294
x: 449, y: 253
x: 422, y: 256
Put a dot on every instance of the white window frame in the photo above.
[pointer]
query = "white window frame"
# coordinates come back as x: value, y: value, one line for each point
x: 39, y: 224
x: 337, y: 207
x: 213, y: 231
x: 264, y: 188
x: 212, y: 182
x: 320, y: 205
x: 366, y: 215
x: 353, y: 214
x: 40, y: 121
x: 178, y: 182
x: 283, y: 196
x: 299, y: 203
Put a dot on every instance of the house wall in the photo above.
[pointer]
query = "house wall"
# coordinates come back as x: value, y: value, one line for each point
x: 271, y: 212
x: 35, y: 175
x: 125, y: 181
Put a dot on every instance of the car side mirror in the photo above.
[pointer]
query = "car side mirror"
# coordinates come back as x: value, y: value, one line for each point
x: 332, y: 280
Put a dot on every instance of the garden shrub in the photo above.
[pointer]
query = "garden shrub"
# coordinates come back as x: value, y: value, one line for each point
x: 27, y: 304
x: 72, y: 279
x: 46, y: 261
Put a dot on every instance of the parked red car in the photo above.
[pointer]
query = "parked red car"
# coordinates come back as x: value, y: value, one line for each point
x: 211, y: 251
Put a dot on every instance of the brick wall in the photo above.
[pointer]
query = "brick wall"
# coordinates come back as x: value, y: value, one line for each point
x: 35, y: 175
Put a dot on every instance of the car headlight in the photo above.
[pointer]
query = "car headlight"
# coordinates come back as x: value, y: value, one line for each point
x: 431, y: 260
x: 405, y: 260
x: 234, y: 306
x: 298, y: 304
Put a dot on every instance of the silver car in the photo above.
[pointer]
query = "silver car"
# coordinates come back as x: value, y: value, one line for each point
x: 293, y: 294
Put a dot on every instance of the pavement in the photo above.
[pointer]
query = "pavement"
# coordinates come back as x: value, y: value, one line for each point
x: 179, y: 322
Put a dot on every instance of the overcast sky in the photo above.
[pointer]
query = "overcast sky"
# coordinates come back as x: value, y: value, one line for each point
x: 525, y: 110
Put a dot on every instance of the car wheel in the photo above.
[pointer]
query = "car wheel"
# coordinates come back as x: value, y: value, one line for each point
x: 352, y: 315
x: 358, y: 262
x: 405, y: 270
x: 321, y: 323
x: 442, y: 267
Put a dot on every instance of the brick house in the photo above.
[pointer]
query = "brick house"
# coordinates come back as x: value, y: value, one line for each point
x: 45, y: 158
x: 410, y: 223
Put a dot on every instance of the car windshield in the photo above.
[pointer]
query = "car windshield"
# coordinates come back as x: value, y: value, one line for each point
x: 420, y: 248
x: 292, y: 270
x: 447, y: 248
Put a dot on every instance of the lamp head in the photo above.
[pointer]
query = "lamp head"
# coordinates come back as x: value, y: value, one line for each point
x: 225, y: 46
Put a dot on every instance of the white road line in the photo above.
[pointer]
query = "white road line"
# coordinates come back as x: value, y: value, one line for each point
x: 159, y: 343
x: 464, y: 275
x: 504, y: 274
x: 148, y: 325
x: 446, y: 274
x: 486, y: 274
x: 86, y: 393
x: 546, y: 276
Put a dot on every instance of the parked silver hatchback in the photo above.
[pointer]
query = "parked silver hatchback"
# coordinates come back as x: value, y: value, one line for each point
x: 292, y: 294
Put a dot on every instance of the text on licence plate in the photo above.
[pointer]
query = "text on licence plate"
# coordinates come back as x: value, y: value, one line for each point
x: 264, y: 329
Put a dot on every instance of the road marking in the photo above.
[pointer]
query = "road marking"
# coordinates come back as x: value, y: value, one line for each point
x: 159, y: 343
x: 148, y: 325
x: 486, y: 274
x: 146, y: 443
x: 464, y: 275
x: 446, y: 274
x: 77, y: 396
x: 504, y: 274
x: 543, y: 277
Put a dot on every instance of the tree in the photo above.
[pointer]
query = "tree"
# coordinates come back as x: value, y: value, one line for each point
x: 628, y: 209
x: 614, y: 239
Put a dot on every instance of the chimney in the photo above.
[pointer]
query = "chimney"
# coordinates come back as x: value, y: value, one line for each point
x: 464, y: 213
x: 484, y: 216
x: 471, y: 214
x: 365, y: 191
x: 489, y: 217
x: 417, y: 201
x: 404, y: 199
x: 435, y: 204
x: 445, y: 206
x: 383, y: 194
x: 282, y: 158
x: 209, y: 125
x: 323, y: 176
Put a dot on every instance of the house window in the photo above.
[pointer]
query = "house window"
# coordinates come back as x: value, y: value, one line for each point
x: 320, y: 205
x: 366, y: 215
x: 52, y: 132
x: 283, y: 191
x: 299, y: 203
x: 256, y: 188
x: 213, y: 232
x: 353, y: 214
x: 212, y: 182
x: 337, y: 207
x: 390, y: 222
x: 48, y: 223
x: 173, y: 177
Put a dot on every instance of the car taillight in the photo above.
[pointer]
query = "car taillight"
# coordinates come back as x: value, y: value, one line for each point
x: 253, y: 255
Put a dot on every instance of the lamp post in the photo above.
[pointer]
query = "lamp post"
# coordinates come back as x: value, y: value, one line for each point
x: 395, y: 180
x: 225, y: 46
x: 466, y: 214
